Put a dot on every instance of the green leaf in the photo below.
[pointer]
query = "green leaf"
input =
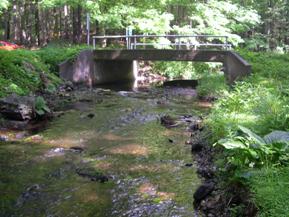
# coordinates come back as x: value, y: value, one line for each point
x: 252, y: 135
x: 231, y: 144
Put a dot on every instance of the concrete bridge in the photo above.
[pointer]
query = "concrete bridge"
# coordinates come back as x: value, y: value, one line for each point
x: 108, y: 66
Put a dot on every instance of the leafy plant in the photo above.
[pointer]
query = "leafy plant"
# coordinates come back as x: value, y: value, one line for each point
x: 40, y: 106
x: 251, y: 150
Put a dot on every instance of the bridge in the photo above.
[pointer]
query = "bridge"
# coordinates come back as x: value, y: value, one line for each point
x: 99, y: 66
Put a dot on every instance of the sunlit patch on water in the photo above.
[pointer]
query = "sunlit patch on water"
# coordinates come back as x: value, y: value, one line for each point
x: 114, y: 137
x: 148, y: 189
x: 130, y: 149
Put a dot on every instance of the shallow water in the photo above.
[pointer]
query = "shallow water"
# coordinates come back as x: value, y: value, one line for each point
x: 116, y: 135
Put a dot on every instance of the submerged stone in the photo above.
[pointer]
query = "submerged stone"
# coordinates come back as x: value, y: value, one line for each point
x: 92, y: 175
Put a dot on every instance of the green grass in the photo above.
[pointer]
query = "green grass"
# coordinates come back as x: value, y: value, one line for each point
x: 271, y: 190
x: 260, y: 102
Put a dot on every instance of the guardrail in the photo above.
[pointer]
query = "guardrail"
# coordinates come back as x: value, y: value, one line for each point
x: 194, y: 42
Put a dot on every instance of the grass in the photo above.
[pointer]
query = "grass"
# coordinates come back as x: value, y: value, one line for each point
x: 271, y: 189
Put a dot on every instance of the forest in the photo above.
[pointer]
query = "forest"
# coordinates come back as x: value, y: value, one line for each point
x: 258, y: 25
x: 209, y: 149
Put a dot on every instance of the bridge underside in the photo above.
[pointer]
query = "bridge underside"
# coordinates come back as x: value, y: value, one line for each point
x: 106, y: 66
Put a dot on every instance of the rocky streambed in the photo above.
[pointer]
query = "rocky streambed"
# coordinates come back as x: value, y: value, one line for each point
x: 108, y: 153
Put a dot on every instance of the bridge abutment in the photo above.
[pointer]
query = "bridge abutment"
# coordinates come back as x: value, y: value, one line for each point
x: 87, y: 71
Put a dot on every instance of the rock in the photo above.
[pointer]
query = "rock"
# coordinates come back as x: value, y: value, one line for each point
x: 21, y: 135
x: 19, y: 108
x: 76, y: 149
x: 196, y: 146
x: 66, y: 87
x: 55, y: 152
x: 92, y: 175
x: 15, y: 125
x: 195, y: 127
x: 168, y: 121
x: 30, y: 193
x: 203, y: 191
x: 90, y: 115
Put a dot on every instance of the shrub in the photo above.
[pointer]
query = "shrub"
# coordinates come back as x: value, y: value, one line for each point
x: 250, y: 150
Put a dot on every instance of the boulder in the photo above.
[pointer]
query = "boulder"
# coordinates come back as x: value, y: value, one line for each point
x: 19, y: 108
x: 203, y: 191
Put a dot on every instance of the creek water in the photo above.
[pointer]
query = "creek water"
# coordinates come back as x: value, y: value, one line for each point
x: 106, y: 155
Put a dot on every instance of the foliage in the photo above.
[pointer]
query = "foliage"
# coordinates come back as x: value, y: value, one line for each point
x: 174, y: 70
x: 54, y: 54
x: 3, y: 5
x: 260, y: 102
x: 250, y: 150
x: 40, y: 106
x: 20, y: 72
x: 212, y: 81
x: 223, y: 18
x: 270, y: 188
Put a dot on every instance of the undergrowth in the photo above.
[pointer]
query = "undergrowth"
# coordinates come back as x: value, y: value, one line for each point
x: 241, y: 117
x: 271, y: 189
x: 54, y: 54
x: 20, y: 72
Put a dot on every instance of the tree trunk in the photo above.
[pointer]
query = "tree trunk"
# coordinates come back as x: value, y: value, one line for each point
x: 7, y: 24
x: 37, y: 24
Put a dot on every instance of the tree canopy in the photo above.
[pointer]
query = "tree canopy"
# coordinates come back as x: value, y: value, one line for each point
x: 262, y: 24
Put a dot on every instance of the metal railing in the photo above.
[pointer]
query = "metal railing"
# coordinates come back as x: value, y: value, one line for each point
x: 194, y: 42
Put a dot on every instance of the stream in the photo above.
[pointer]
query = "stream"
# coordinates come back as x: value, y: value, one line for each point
x: 106, y: 154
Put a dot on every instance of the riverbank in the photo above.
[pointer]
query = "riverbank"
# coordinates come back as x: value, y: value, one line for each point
x: 259, y: 103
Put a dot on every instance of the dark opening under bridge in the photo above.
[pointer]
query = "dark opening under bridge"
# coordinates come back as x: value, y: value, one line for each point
x: 99, y: 66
